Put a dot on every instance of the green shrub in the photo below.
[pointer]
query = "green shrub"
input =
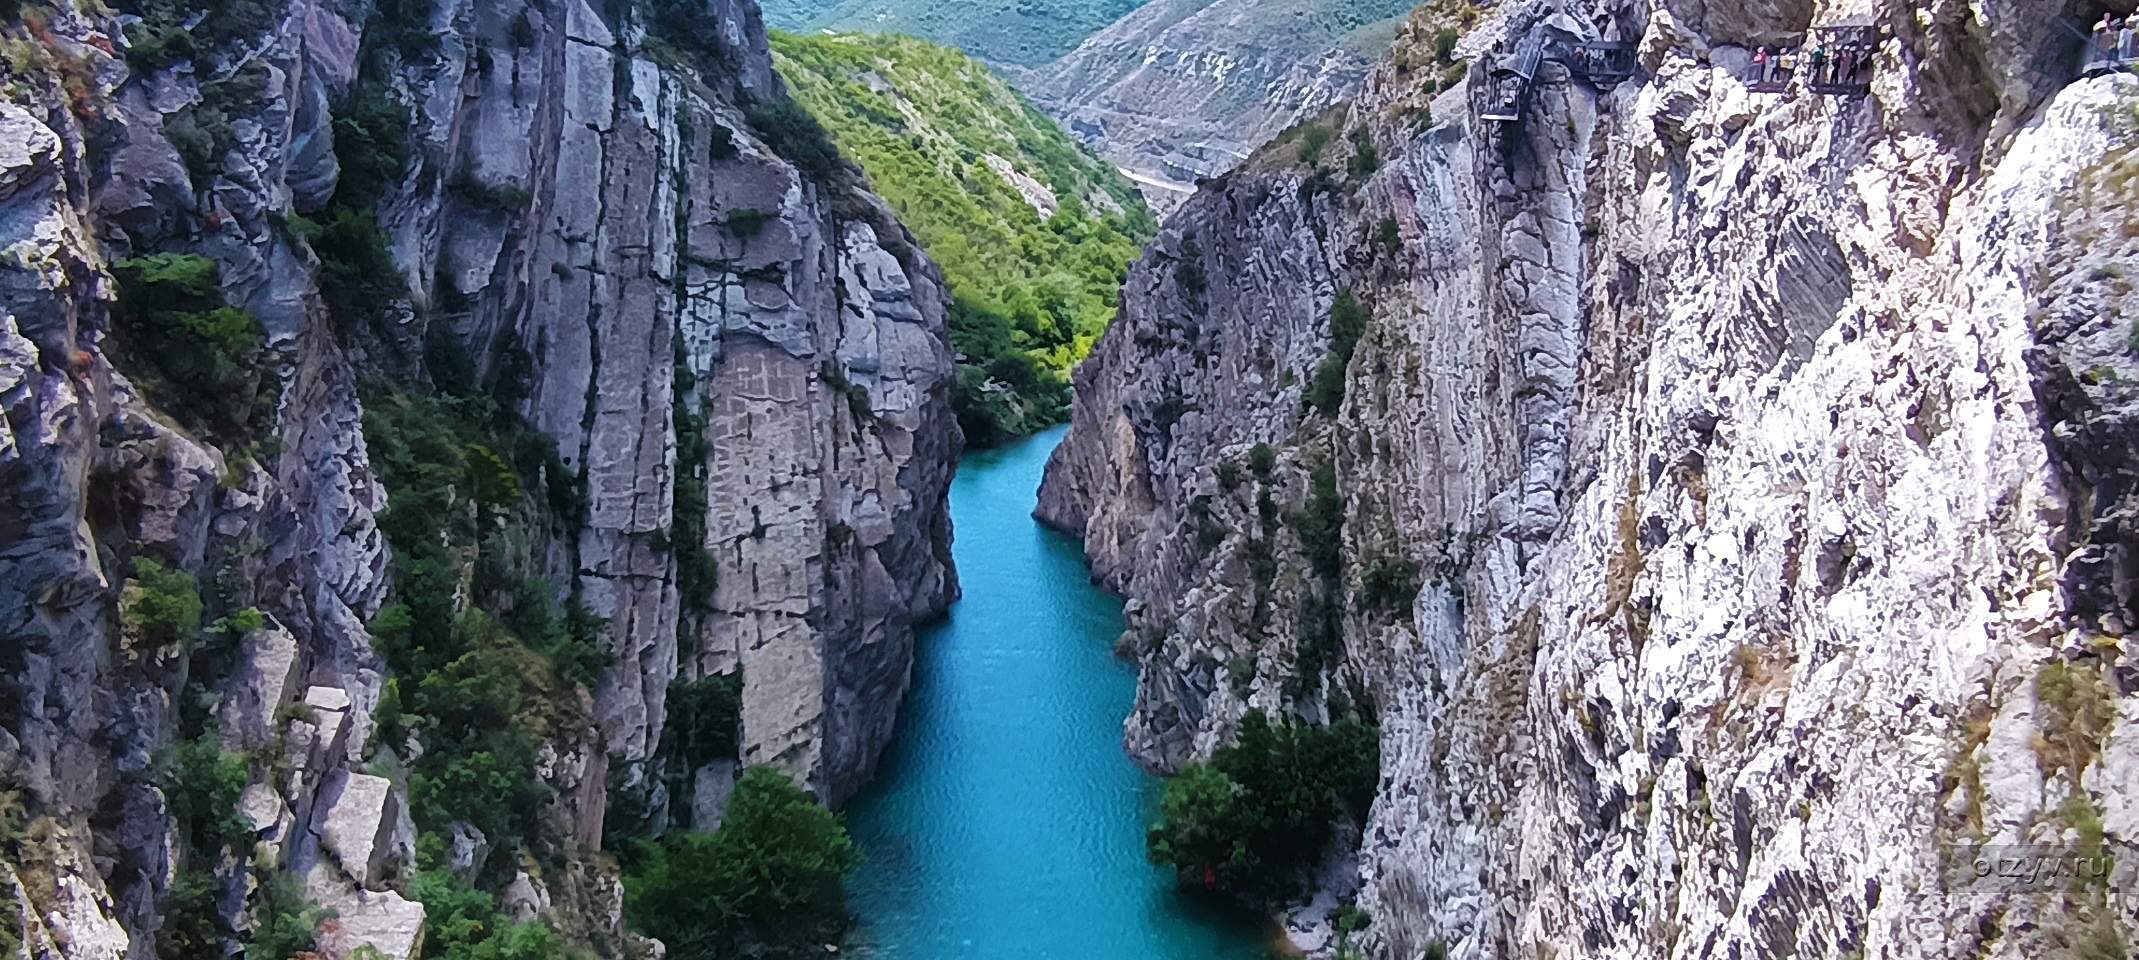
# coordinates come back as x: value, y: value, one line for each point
x: 1321, y: 522
x: 240, y: 623
x: 1387, y: 237
x: 192, y: 923
x: 285, y: 924
x: 160, y: 38
x: 703, y: 715
x: 1347, y: 322
x: 503, y: 197
x: 1444, y: 45
x: 1390, y: 585
x: 463, y: 923
x: 1262, y: 809
x: 771, y: 876
x: 1314, y: 138
x: 1365, y: 158
x: 371, y: 143
x: 201, y: 783
x: 199, y: 358
x: 795, y: 135
x: 161, y: 605
x: 1261, y: 458
x: 1454, y: 75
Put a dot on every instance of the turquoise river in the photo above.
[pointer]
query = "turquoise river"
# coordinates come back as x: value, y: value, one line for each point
x: 1006, y: 823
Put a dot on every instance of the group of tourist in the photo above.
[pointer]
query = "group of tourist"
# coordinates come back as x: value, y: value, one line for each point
x: 1840, y: 64
x: 2113, y: 39
x: 1774, y: 66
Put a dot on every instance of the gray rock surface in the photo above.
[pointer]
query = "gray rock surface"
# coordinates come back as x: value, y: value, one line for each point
x: 566, y: 227
x: 1756, y: 457
x: 1179, y: 90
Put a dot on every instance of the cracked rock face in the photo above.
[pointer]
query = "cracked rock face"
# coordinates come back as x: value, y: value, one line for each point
x: 615, y: 252
x: 1762, y: 462
x: 1179, y: 90
x: 808, y: 329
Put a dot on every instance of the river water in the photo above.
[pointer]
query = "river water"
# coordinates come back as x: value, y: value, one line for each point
x: 1006, y: 823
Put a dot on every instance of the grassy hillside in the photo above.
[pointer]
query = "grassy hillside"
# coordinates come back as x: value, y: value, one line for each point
x: 949, y: 145
x: 1024, y: 32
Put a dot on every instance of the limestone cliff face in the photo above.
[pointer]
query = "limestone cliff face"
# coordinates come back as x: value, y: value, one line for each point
x: 587, y: 220
x: 1179, y: 90
x: 1731, y: 489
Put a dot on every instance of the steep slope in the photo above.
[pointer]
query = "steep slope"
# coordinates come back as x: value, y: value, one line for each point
x: 1181, y: 90
x: 1033, y: 233
x: 1000, y: 31
x: 399, y: 399
x: 1719, y: 510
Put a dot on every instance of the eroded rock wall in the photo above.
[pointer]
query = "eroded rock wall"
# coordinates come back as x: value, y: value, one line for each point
x: 588, y: 218
x: 1752, y: 459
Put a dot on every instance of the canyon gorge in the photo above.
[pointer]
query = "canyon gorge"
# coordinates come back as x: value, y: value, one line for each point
x: 465, y: 463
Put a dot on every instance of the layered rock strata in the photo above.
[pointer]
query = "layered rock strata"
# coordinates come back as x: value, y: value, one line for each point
x: 593, y: 230
x: 1731, y: 488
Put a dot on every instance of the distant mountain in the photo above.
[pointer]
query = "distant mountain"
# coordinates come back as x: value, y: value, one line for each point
x: 1033, y: 232
x: 1023, y: 32
x: 1182, y: 89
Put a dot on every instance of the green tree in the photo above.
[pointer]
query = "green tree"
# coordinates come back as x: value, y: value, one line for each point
x: 770, y: 877
x: 1265, y: 807
x: 1201, y: 822
x: 161, y: 604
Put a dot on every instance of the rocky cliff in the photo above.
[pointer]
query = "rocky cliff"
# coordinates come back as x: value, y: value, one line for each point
x: 723, y: 358
x: 1722, y: 506
x: 1180, y: 90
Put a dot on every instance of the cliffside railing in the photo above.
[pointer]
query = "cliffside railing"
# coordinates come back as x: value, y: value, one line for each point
x: 1512, y: 77
x: 2113, y: 47
x: 1602, y: 64
x: 1841, y: 59
x: 1837, y: 61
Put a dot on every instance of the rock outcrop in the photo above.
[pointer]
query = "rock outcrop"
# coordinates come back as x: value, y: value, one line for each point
x: 1732, y: 488
x: 1180, y: 90
x: 611, y: 239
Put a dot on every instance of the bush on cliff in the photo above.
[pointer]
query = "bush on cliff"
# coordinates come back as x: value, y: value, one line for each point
x: 161, y: 605
x: 488, y: 664
x: 197, y: 358
x: 1263, y: 809
x: 769, y: 880
x: 463, y: 923
x: 1347, y: 322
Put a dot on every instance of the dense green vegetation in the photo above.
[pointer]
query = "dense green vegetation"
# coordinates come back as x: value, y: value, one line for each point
x: 701, y: 728
x: 463, y: 923
x: 768, y: 882
x: 1031, y: 293
x: 1012, y: 31
x: 161, y: 605
x: 196, y: 357
x: 160, y: 38
x: 1263, y: 809
x: 201, y: 782
x: 481, y: 683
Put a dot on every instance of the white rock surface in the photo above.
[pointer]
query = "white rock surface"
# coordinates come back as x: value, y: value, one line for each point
x: 1748, y: 451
